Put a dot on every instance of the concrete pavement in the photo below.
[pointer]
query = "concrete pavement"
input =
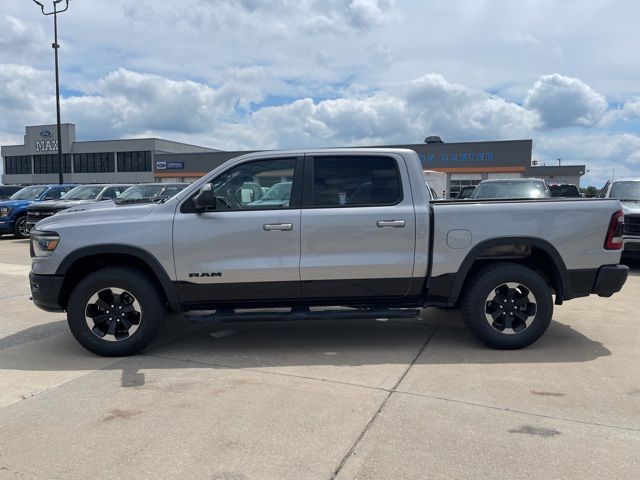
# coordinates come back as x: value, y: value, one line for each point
x: 320, y: 400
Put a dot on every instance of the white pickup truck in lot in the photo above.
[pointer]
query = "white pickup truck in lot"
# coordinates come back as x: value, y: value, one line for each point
x: 628, y: 192
x: 358, y: 230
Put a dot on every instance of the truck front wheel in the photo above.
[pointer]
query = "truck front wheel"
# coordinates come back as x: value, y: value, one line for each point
x: 20, y: 228
x: 507, y: 305
x: 116, y: 311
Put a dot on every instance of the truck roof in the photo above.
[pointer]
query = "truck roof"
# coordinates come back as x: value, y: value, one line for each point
x: 324, y: 151
x: 528, y: 179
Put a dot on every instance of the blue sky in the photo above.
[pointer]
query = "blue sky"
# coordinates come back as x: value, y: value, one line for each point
x: 252, y: 74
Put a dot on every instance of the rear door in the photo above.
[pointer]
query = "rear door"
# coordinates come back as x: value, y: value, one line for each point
x: 358, y: 227
x: 248, y: 248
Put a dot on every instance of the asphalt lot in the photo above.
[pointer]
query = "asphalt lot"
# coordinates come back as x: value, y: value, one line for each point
x: 419, y: 399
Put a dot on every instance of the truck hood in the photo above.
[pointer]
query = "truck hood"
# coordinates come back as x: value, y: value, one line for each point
x: 13, y: 204
x: 60, y: 204
x: 631, y: 207
x: 88, y: 215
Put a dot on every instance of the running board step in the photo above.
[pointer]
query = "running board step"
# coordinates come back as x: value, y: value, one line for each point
x: 228, y: 315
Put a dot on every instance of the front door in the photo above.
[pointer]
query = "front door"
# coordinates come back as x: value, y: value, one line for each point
x: 248, y: 248
x: 358, y: 227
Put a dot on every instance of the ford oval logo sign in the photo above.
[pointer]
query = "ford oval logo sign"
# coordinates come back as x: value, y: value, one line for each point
x: 45, y: 133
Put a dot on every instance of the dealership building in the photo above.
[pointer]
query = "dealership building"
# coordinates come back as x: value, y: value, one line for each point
x: 139, y: 160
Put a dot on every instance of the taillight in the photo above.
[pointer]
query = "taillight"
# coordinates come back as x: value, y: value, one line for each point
x: 614, y: 240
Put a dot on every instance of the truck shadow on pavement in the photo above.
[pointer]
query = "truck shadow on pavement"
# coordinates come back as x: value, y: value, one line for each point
x: 437, y: 338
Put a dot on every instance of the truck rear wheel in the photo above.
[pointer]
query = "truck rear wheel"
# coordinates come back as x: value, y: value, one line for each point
x: 507, y: 306
x: 116, y: 311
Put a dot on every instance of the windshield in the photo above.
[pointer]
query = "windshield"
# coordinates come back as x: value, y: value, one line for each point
x: 507, y: 189
x: 564, y: 191
x: 140, y: 192
x: 626, y: 190
x: 465, y: 192
x: 82, y: 193
x: 28, y: 193
x: 280, y: 191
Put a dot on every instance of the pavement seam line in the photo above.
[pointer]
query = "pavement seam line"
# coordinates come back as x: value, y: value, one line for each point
x: 521, y: 412
x: 390, y: 392
x: 15, y: 296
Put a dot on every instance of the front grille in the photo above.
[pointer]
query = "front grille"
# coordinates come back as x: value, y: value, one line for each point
x: 632, y: 225
x: 37, y: 215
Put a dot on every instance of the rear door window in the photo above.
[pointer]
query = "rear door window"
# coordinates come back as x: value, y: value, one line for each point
x: 355, y: 181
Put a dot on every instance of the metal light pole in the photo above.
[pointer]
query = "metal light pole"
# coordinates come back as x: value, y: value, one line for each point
x: 55, y: 47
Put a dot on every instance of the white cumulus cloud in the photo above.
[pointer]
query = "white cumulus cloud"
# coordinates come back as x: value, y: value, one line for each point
x: 565, y: 102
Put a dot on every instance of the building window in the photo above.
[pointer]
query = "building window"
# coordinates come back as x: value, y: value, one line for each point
x: 93, y: 162
x: 134, y: 161
x: 49, y: 163
x: 17, y: 165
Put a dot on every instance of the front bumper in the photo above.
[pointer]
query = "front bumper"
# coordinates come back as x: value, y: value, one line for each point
x: 31, y: 224
x: 6, y: 226
x: 45, y: 291
x: 610, y: 280
x: 631, y: 246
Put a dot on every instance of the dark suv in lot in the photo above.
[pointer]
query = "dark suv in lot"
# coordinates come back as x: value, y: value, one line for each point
x: 80, y: 195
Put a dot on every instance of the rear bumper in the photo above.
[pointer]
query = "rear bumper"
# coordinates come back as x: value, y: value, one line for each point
x: 603, y: 281
x: 45, y: 291
x: 610, y: 280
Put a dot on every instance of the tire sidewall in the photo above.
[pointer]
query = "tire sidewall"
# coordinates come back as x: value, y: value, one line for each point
x: 489, y: 280
x: 16, y: 227
x: 151, y: 304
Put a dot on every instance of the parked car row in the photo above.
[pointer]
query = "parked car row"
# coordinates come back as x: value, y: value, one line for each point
x: 26, y: 206
x: 517, y: 188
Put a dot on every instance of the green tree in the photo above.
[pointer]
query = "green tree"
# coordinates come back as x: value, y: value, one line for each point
x: 589, y: 191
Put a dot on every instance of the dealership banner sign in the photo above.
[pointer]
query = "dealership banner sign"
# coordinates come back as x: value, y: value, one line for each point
x: 169, y: 165
x: 464, y: 157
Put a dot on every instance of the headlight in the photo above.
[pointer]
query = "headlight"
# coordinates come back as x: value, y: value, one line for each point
x: 5, y: 211
x: 44, y: 244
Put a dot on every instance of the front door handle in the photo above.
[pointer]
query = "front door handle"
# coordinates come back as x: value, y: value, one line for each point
x: 391, y: 223
x: 277, y: 226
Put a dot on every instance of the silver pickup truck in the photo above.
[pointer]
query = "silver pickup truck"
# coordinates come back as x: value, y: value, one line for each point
x: 357, y: 230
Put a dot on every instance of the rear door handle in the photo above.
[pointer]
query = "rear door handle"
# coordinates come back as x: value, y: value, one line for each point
x: 391, y: 223
x: 277, y: 226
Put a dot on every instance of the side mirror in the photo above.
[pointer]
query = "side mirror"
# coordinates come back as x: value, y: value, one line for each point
x: 205, y: 199
x: 49, y: 197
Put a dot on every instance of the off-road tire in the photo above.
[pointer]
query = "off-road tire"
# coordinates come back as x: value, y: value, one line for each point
x: 137, y: 286
x: 487, y: 282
